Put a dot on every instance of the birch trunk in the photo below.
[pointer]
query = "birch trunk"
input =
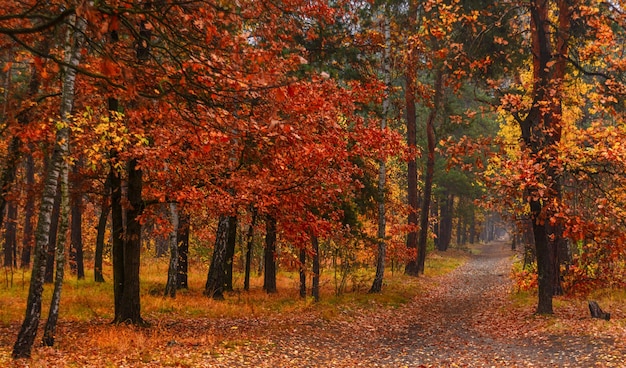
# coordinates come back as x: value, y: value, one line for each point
x: 53, y: 315
x: 28, y: 331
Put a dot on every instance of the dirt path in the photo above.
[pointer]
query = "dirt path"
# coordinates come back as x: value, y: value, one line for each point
x: 455, y: 325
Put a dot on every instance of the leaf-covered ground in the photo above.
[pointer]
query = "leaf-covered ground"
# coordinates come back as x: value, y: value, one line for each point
x: 466, y: 319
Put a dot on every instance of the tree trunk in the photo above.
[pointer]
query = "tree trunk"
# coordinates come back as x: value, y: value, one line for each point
x: 10, y: 236
x: 105, y: 208
x: 172, y: 273
x: 445, y: 228
x: 183, y: 251
x: 315, y: 287
x: 269, y: 280
x: 77, y: 264
x: 214, y: 286
x: 430, y: 172
x: 230, y: 253
x: 130, y: 303
x: 26, y: 337
x: 8, y: 174
x: 52, y: 238
x: 29, y: 212
x: 249, y: 245
x: 302, y: 259
x: 53, y: 316
x: 377, y: 284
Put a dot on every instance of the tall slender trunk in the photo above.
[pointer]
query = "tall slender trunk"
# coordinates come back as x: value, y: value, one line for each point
x: 52, y: 238
x: 315, y: 287
x: 183, y: 251
x: 10, y: 236
x: 214, y: 286
x: 26, y: 337
x: 29, y: 212
x: 302, y: 259
x: 53, y: 316
x: 249, y: 246
x: 269, y: 280
x: 130, y: 306
x: 172, y: 273
x: 105, y: 209
x: 377, y: 284
x: 230, y: 253
x: 430, y: 171
x: 446, y: 220
x: 77, y: 264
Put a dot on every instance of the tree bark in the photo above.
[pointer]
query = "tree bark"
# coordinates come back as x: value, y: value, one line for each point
x: 269, y: 258
x: 430, y: 172
x: 302, y: 259
x: 446, y: 219
x: 130, y: 303
x: 249, y: 246
x: 26, y: 337
x: 77, y: 264
x: 183, y: 251
x: 377, y: 284
x: 29, y: 212
x: 105, y: 209
x: 214, y: 286
x: 53, y: 316
x: 52, y: 238
x: 230, y: 253
x: 315, y: 287
x: 172, y: 273
x: 10, y: 236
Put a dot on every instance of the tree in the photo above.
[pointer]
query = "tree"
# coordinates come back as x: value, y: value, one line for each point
x: 26, y: 336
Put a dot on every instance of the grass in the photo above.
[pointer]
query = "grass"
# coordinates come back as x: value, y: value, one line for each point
x: 87, y: 309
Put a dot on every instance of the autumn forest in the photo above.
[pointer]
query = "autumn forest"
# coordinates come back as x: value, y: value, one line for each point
x: 276, y: 182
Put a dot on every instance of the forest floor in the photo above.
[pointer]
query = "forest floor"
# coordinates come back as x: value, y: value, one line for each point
x: 467, y: 318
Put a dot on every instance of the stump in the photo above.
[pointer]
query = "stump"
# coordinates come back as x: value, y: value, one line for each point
x: 596, y: 311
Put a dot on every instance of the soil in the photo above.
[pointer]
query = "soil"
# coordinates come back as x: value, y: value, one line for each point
x: 461, y: 322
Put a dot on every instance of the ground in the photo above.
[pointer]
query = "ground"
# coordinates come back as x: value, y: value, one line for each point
x: 466, y: 318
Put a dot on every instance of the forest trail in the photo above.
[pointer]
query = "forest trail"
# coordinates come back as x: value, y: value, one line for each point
x: 458, y: 323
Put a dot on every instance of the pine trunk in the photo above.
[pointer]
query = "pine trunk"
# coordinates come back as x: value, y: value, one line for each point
x: 105, y: 209
x: 430, y: 172
x: 10, y: 236
x: 302, y: 259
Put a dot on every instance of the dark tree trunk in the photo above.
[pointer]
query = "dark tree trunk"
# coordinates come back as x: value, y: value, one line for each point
x: 29, y: 212
x: 445, y: 229
x: 472, y: 226
x: 434, y: 214
x: 101, y: 230
x: 269, y: 280
x: 214, y: 286
x: 172, y: 273
x: 8, y: 174
x: 130, y: 303
x: 52, y: 238
x: 302, y: 259
x: 10, y: 236
x: 315, y: 287
x: 77, y: 265
x: 430, y: 172
x: 230, y: 253
x: 249, y: 245
x: 183, y: 251
x: 412, y: 267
